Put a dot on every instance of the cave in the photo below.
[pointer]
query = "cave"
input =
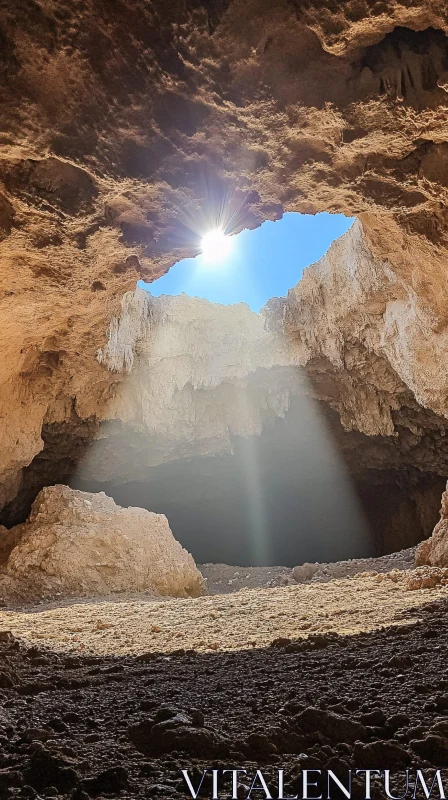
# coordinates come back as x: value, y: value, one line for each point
x: 223, y: 529
x: 309, y: 473
x: 333, y: 459
x: 252, y: 128
x: 292, y: 484
x: 291, y: 495
x: 285, y: 498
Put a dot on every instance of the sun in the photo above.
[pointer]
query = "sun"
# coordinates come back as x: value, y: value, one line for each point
x: 215, y: 245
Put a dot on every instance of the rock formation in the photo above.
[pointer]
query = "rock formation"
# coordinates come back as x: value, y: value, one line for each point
x: 200, y: 378
x: 78, y: 543
x: 434, y: 551
x: 205, y: 378
x: 202, y: 374
x: 129, y: 130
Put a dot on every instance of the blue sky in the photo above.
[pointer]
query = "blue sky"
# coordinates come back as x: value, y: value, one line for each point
x: 261, y: 264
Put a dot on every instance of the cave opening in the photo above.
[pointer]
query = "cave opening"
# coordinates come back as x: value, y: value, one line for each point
x: 254, y: 265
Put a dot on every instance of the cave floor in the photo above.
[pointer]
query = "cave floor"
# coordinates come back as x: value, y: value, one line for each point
x: 227, y: 620
x: 112, y: 699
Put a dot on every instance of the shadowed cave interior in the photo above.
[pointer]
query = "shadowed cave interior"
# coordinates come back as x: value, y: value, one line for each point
x: 291, y: 495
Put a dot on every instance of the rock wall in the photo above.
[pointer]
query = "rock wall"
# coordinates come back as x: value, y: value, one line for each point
x: 129, y: 130
x: 350, y: 316
x: 202, y: 374
x: 307, y: 381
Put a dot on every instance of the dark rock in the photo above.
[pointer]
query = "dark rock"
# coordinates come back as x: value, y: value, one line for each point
x: 281, y: 641
x: 441, y: 728
x: 114, y: 779
x: 197, y: 718
x: 58, y: 725
x: 375, y: 718
x: 6, y: 681
x: 430, y: 633
x: 400, y: 662
x: 148, y: 705
x: 261, y: 744
x: 441, y: 701
x: 89, y: 738
x: 397, y: 721
x: 172, y: 722
x: 146, y: 657
x: 79, y: 794
x: 36, y: 734
x: 291, y: 708
x: 380, y: 754
x: 332, y: 726
x: 432, y: 748
x: 72, y: 717
x: 46, y: 769
x: 165, y: 712
x: 9, y: 778
x: 318, y: 641
x: 295, y: 647
x: 417, y: 732
x: 161, y: 790
x: 154, y: 740
x: 28, y: 792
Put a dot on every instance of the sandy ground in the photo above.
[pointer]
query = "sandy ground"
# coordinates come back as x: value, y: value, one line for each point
x: 244, y: 619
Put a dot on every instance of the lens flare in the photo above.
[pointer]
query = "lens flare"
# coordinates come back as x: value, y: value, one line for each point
x: 215, y: 245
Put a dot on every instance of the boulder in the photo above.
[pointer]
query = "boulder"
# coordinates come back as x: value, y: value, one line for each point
x: 80, y: 543
x: 333, y: 726
x: 304, y: 572
x: 434, y: 551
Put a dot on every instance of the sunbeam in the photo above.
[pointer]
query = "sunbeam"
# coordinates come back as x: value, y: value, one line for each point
x: 215, y: 426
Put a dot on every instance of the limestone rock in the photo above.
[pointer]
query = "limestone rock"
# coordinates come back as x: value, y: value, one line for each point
x: 83, y: 543
x: 304, y: 572
x: 201, y: 374
x: 434, y: 551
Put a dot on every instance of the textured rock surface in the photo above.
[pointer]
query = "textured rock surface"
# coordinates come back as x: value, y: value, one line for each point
x: 393, y: 563
x: 367, y: 337
x: 77, y: 542
x: 434, y: 551
x: 202, y: 374
x: 129, y: 129
x: 226, y: 622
